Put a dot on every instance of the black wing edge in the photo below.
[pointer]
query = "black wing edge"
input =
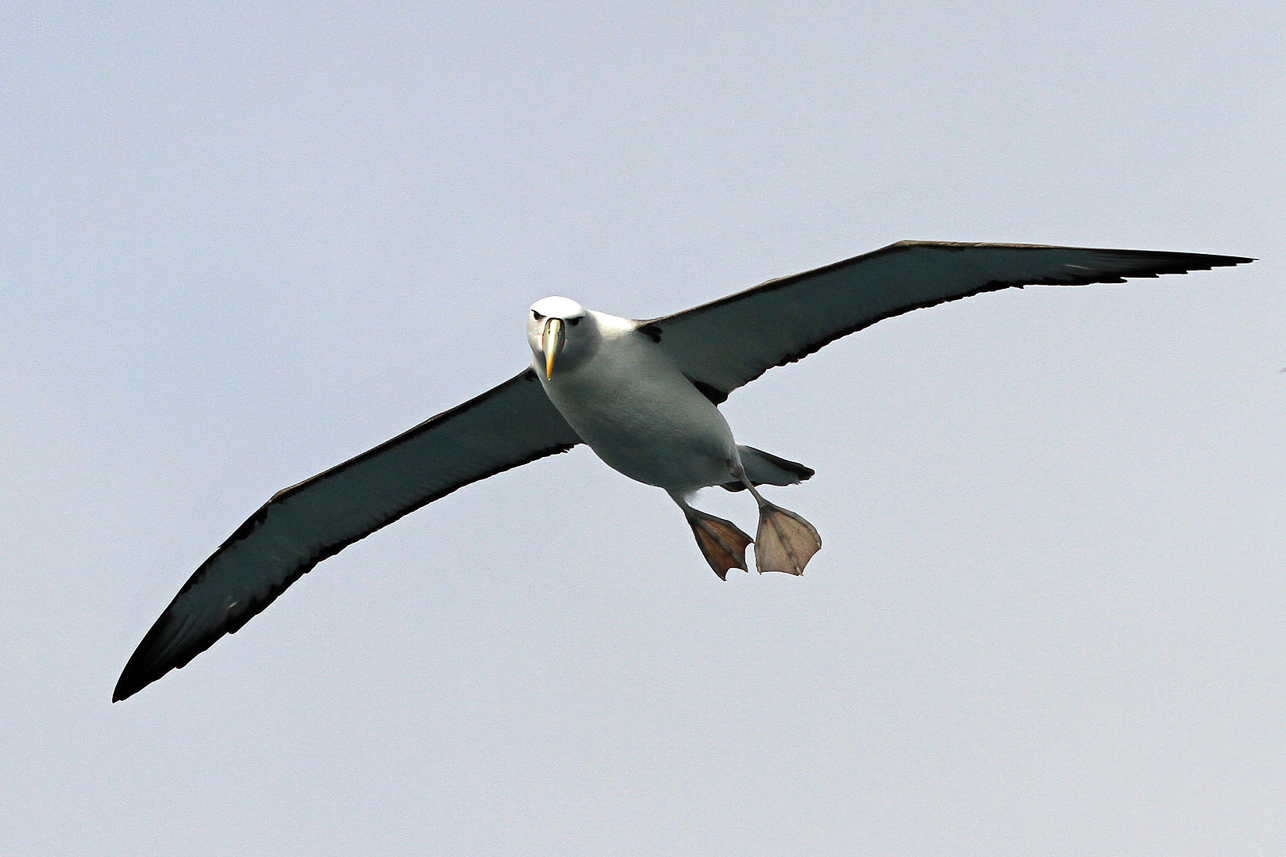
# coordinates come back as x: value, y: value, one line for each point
x: 1165, y: 263
x: 146, y: 664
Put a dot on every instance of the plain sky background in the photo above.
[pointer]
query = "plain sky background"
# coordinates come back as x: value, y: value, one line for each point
x: 240, y: 245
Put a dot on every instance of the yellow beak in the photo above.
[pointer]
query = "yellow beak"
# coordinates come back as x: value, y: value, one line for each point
x: 551, y: 342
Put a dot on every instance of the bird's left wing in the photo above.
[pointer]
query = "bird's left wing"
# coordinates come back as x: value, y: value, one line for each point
x: 729, y: 342
x: 509, y: 425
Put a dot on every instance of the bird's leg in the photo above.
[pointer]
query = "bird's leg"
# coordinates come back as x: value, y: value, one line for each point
x: 784, y: 541
x: 721, y: 542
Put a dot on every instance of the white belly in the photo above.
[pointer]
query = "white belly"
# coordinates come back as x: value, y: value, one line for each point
x: 643, y: 418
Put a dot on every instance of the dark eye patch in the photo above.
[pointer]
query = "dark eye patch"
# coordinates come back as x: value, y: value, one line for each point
x: 537, y: 316
x: 574, y: 321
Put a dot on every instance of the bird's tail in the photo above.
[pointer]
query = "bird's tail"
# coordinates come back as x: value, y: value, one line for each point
x: 764, y: 468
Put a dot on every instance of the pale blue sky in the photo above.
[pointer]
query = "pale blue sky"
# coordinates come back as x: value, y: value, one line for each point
x: 241, y: 246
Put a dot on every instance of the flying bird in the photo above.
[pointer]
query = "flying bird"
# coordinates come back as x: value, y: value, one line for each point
x: 643, y: 395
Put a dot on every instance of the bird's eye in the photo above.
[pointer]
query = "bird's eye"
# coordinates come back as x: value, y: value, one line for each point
x: 537, y: 316
x: 574, y: 321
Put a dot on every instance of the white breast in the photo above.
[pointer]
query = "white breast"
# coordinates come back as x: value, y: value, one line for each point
x: 639, y: 414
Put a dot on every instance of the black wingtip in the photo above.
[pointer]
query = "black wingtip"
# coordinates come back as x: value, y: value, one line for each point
x: 1224, y: 261
x: 148, y: 663
x: 130, y: 683
x: 1182, y: 263
x: 134, y: 678
x: 139, y: 672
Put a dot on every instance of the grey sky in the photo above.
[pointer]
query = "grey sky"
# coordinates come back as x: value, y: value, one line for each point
x: 241, y: 246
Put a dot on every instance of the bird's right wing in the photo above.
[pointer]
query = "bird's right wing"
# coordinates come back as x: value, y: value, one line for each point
x: 731, y: 341
x: 509, y: 425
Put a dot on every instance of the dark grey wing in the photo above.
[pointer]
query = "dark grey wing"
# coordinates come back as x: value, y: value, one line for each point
x: 729, y: 342
x: 299, y: 527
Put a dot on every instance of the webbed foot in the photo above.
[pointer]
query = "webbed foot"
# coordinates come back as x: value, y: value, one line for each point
x: 785, y: 542
x: 722, y: 543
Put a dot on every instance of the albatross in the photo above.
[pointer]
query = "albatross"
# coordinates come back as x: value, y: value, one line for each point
x: 643, y: 395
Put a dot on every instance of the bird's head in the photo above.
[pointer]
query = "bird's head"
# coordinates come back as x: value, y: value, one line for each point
x: 559, y: 329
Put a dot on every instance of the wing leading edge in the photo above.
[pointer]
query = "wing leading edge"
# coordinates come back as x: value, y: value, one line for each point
x: 300, y: 526
x: 731, y: 341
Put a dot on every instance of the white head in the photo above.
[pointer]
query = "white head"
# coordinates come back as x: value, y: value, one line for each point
x: 560, y: 328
